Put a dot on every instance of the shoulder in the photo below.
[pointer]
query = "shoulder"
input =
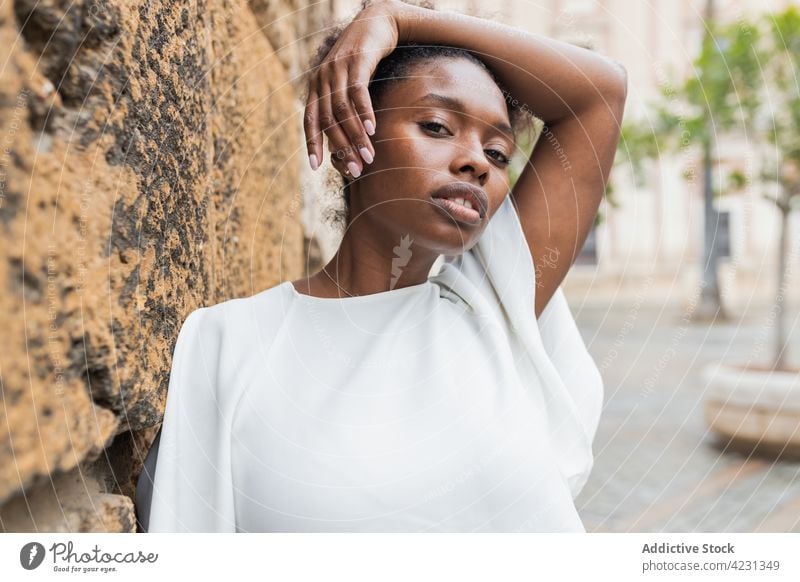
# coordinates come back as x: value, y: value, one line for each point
x: 219, y: 346
x: 267, y: 306
x: 235, y: 322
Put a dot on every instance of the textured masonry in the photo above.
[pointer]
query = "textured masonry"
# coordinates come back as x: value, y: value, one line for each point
x: 148, y: 166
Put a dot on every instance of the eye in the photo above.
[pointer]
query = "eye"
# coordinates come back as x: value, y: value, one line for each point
x: 503, y: 159
x: 429, y: 124
x: 434, y: 127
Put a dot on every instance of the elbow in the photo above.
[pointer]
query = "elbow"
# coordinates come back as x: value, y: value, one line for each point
x: 618, y: 80
x: 615, y: 90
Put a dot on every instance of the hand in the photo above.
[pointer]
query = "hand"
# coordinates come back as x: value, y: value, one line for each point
x: 338, y: 100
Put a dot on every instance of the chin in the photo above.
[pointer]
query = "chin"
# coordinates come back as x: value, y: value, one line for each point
x: 452, y: 241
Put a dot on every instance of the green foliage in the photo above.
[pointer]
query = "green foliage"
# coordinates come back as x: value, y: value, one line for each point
x: 746, y: 80
x: 782, y: 68
x: 737, y: 180
x: 724, y: 87
x: 720, y: 95
x: 638, y: 143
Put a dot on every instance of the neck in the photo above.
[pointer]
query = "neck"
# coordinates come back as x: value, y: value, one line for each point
x: 369, y: 261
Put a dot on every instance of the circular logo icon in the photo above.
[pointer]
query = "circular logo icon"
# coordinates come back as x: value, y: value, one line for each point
x: 31, y: 555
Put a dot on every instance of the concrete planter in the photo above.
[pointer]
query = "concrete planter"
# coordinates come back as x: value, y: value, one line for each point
x: 754, y: 410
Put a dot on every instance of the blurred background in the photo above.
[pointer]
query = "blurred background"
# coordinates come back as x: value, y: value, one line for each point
x: 152, y: 162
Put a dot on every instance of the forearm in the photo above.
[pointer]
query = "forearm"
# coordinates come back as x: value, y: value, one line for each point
x: 552, y: 79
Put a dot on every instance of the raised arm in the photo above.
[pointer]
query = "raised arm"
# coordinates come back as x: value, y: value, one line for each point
x: 579, y: 94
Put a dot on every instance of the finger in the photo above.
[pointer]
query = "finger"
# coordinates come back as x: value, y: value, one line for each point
x: 362, y: 102
x: 339, y: 166
x: 312, y: 130
x: 338, y: 143
x: 348, y: 119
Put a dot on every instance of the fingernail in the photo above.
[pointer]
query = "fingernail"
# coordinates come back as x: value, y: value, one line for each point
x: 369, y: 127
x: 353, y: 167
x: 365, y: 154
x: 312, y: 159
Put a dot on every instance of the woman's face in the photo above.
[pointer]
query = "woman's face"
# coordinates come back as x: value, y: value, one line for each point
x: 423, y: 143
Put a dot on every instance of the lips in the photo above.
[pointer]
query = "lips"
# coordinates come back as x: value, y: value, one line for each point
x: 467, y: 191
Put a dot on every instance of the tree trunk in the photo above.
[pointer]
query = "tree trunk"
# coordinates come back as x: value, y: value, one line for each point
x: 710, y: 307
x: 781, y: 337
x: 710, y: 300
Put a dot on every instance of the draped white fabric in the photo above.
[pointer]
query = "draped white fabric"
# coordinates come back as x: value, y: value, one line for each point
x: 442, y: 406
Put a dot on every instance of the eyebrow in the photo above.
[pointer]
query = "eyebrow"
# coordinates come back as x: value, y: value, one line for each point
x: 458, y: 105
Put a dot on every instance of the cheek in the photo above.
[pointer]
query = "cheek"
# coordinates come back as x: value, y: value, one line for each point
x: 410, y: 154
x: 398, y: 153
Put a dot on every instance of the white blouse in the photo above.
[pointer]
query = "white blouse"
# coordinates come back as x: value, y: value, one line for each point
x: 442, y: 406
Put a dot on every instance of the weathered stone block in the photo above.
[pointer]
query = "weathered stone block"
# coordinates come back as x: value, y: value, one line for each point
x: 145, y: 171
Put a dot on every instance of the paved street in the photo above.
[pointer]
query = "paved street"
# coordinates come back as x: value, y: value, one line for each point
x: 657, y: 467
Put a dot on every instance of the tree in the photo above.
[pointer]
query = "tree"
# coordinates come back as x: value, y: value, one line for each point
x: 780, y: 123
x: 746, y: 79
x: 720, y: 98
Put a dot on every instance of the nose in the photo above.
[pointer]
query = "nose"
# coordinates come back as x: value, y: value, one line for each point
x: 469, y: 158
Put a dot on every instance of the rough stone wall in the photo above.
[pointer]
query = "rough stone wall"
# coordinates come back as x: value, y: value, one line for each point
x: 148, y: 166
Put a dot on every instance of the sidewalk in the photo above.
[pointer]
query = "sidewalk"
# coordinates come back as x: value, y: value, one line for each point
x: 656, y: 466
